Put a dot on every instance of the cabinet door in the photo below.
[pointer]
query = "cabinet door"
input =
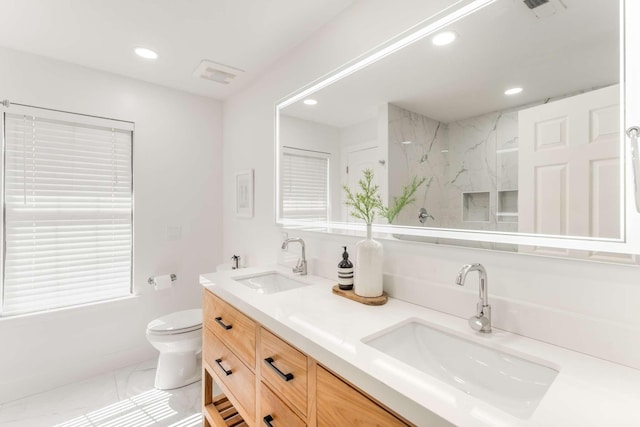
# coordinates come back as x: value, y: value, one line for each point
x: 339, y: 405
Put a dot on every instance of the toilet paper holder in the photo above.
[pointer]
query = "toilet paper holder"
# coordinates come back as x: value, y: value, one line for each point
x: 152, y: 280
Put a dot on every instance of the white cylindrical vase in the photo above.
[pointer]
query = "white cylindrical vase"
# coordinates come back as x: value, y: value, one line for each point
x: 367, y: 280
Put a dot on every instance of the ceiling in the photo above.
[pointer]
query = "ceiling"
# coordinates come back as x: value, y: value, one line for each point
x: 498, y: 47
x: 102, y: 34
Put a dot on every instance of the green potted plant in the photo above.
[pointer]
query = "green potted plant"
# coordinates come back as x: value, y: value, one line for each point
x: 366, y: 204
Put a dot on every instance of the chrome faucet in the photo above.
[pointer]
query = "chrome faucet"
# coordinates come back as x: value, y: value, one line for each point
x: 301, y: 267
x: 482, y: 320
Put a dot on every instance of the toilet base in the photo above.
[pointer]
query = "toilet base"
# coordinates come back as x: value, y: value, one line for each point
x: 177, y: 370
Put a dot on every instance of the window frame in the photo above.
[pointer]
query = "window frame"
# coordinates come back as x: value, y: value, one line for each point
x: 79, y: 119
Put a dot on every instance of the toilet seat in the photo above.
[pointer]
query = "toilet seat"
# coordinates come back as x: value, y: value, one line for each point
x: 179, y: 322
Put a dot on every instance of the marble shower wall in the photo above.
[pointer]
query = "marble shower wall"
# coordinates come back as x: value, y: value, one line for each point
x: 425, y: 157
x: 469, y: 166
x: 483, y: 162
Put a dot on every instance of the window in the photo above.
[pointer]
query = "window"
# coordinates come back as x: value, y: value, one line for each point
x: 67, y: 189
x: 305, y: 183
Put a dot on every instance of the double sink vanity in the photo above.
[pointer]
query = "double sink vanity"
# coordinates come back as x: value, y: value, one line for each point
x: 283, y: 350
x: 542, y: 168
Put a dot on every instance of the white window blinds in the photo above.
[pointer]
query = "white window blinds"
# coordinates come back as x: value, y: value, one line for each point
x: 68, y: 211
x: 304, y: 185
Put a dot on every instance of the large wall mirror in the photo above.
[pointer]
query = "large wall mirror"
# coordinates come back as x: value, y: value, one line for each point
x: 508, y: 114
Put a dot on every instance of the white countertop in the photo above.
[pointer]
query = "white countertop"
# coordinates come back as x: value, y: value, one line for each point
x: 586, y: 392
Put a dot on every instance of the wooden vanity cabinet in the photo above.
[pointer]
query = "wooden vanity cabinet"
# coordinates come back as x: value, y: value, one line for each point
x: 265, y: 381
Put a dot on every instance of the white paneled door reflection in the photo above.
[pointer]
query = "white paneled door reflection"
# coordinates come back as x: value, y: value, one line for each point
x: 569, y: 170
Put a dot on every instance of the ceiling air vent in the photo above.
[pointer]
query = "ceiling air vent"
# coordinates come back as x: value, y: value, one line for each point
x: 215, y: 72
x: 542, y: 9
x: 532, y: 4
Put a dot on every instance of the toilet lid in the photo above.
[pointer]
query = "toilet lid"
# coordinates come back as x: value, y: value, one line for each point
x: 178, y: 322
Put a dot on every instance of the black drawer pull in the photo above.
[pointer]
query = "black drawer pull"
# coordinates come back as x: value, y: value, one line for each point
x: 219, y: 322
x: 286, y: 377
x: 267, y: 420
x: 226, y: 371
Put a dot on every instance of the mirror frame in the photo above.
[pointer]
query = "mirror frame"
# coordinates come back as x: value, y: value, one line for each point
x: 629, y: 241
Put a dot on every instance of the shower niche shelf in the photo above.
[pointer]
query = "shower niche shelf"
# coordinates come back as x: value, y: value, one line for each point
x: 475, y: 206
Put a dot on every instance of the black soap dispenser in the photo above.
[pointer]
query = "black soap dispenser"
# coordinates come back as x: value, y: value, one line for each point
x: 345, y: 272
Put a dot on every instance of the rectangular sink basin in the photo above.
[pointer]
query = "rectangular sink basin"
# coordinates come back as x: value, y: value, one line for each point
x: 510, y: 383
x: 271, y: 283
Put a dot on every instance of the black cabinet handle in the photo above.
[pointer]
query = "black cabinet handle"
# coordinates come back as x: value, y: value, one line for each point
x: 286, y: 377
x: 226, y: 371
x: 267, y: 420
x: 219, y: 322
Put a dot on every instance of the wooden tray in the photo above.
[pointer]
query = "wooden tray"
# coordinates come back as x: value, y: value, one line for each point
x: 381, y: 300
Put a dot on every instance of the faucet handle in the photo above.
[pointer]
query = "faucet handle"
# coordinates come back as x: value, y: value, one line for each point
x: 301, y: 267
x: 479, y: 324
x: 482, y: 321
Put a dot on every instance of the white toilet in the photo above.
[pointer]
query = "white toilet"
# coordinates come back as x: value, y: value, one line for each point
x: 178, y: 337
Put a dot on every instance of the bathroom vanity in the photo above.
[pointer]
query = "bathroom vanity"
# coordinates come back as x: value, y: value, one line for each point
x: 266, y: 380
x: 285, y: 351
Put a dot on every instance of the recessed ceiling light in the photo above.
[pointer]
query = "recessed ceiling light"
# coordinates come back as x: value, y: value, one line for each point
x: 444, y: 38
x: 513, y: 91
x: 146, y: 53
x: 406, y: 142
x: 310, y: 101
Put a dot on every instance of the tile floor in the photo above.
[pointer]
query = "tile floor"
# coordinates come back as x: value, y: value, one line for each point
x: 123, y: 398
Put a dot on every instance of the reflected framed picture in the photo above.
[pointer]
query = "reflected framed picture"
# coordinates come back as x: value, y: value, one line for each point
x: 244, y: 194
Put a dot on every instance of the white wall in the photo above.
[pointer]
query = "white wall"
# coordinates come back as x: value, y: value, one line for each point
x: 589, y: 307
x: 359, y: 133
x: 177, y: 182
x: 308, y: 135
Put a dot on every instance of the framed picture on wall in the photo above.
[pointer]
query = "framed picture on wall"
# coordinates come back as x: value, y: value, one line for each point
x: 244, y: 194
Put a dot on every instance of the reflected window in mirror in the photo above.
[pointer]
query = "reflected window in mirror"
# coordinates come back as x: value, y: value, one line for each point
x: 305, y: 185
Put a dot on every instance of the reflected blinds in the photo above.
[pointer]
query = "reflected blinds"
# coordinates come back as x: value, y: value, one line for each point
x: 68, y: 213
x: 304, y: 181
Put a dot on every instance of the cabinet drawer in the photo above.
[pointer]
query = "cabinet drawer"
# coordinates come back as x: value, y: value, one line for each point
x: 340, y: 405
x: 233, y: 374
x: 275, y: 412
x: 285, y: 370
x: 234, y: 328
